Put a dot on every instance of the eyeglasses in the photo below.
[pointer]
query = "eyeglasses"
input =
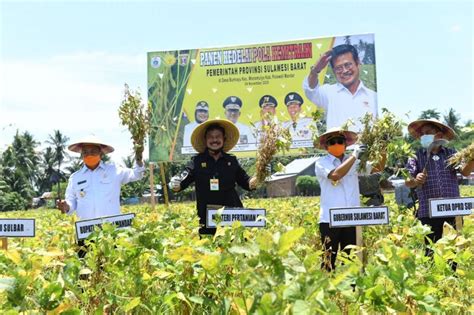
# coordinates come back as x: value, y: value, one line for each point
x: 333, y: 141
x: 340, y: 69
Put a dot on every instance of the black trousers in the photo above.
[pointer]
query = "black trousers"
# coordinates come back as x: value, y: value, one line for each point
x: 332, y: 238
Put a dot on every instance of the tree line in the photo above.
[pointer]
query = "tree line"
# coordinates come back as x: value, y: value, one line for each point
x: 27, y: 172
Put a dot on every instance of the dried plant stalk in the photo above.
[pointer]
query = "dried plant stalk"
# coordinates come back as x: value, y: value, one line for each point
x: 273, y: 139
x: 377, y: 134
x: 462, y: 157
x: 136, y: 116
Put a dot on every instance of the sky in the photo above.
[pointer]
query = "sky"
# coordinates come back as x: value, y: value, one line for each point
x: 63, y: 64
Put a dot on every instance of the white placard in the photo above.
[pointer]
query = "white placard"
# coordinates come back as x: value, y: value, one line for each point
x: 451, y: 207
x: 85, y: 227
x: 248, y: 217
x: 357, y: 216
x: 17, y: 227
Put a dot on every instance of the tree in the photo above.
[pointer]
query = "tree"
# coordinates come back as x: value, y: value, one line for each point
x: 76, y: 164
x: 452, y: 119
x: 307, y: 185
x: 429, y: 114
x: 58, y: 141
x: 47, y: 172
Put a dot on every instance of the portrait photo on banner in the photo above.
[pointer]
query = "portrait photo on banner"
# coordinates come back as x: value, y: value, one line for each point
x: 251, y: 84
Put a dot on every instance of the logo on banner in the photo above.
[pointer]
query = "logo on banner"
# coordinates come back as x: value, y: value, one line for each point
x: 155, y: 62
x: 183, y: 60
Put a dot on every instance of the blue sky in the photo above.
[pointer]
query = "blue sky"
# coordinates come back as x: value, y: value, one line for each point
x: 63, y: 64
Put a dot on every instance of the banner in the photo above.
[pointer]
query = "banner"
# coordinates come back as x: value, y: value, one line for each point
x: 241, y: 83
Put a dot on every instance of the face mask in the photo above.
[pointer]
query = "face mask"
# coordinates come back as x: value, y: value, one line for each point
x: 337, y: 149
x: 426, y: 140
x: 91, y: 160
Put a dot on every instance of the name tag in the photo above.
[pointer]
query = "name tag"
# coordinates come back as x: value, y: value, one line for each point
x: 214, y: 183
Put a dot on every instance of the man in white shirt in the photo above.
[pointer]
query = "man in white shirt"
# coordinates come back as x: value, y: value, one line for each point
x: 349, y: 98
x: 301, y: 128
x: 232, y: 106
x: 338, y: 179
x: 94, y: 190
x: 201, y: 114
x: 268, y: 106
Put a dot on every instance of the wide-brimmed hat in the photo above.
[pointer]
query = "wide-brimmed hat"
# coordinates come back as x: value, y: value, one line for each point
x: 92, y: 140
x: 350, y: 136
x: 414, y: 128
x: 198, y: 137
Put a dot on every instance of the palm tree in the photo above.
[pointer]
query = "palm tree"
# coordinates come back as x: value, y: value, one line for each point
x: 430, y: 113
x: 75, y: 165
x: 58, y: 141
x: 47, y: 170
x: 452, y: 119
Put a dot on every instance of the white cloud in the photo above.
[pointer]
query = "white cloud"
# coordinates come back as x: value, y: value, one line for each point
x: 77, y: 94
x: 456, y: 28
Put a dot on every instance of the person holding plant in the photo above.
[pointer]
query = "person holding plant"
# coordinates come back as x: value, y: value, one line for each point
x: 214, y: 171
x: 94, y: 190
x: 338, y: 177
x: 431, y: 174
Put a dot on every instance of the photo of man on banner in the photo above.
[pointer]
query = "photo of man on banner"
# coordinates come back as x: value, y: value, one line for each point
x: 349, y: 97
x: 201, y: 114
x: 301, y: 128
x: 232, y: 106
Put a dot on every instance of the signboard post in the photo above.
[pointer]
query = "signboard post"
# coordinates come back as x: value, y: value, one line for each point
x: 16, y: 228
x: 451, y: 207
x: 227, y: 216
x: 152, y: 188
x: 358, y: 217
x: 85, y: 227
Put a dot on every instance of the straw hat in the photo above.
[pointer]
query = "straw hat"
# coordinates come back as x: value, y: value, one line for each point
x: 351, y: 137
x: 93, y: 140
x: 198, y: 140
x: 414, y: 128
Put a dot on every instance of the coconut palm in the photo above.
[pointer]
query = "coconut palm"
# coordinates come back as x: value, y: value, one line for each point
x: 58, y: 141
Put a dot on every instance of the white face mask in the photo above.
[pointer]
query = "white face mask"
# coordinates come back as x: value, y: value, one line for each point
x: 426, y: 140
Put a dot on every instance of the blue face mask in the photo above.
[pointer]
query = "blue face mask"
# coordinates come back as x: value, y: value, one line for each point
x: 426, y: 140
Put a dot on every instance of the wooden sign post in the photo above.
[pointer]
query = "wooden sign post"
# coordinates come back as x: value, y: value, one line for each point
x: 16, y: 228
x: 358, y: 217
x: 152, y: 187
x: 4, y: 241
x: 163, y: 183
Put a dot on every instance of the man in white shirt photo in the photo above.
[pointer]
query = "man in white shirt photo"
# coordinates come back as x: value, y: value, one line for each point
x: 349, y: 98
x: 201, y: 114
x: 232, y: 109
x: 301, y: 128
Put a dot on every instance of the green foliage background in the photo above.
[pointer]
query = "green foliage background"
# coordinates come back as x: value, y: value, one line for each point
x: 161, y: 266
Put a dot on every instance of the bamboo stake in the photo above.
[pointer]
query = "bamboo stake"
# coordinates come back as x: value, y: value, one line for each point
x: 4, y: 243
x: 152, y: 187
x: 163, y: 183
x: 459, y: 224
x: 360, y: 243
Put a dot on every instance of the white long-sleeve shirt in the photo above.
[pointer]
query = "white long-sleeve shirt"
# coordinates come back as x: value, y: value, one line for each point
x: 340, y: 104
x: 344, y: 193
x: 96, y: 193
